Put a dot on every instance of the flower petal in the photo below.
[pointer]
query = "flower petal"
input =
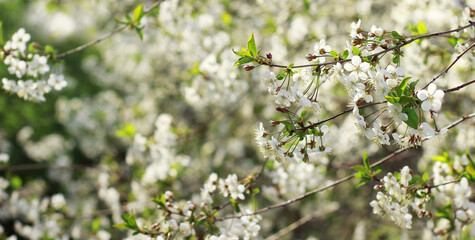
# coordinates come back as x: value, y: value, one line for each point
x: 422, y: 95
x: 356, y: 61
x: 439, y: 94
x: 431, y: 89
x: 436, y: 104
x: 426, y: 105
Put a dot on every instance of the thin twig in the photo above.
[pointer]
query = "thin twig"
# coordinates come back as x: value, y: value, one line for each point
x: 459, y: 87
x: 337, y: 182
x: 27, y: 167
x: 404, y: 43
x: 299, y: 223
x: 100, y: 39
x: 339, y: 114
x: 442, y: 184
x: 450, y: 66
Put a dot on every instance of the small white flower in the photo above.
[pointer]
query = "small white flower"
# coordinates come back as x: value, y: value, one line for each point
x: 358, y: 66
x: 57, y: 81
x: 432, y: 98
x: 405, y: 176
x: 356, y: 30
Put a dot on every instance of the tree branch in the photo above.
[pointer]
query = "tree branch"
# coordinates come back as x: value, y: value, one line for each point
x: 337, y: 182
x: 384, y: 51
x: 450, y: 66
x: 108, y: 35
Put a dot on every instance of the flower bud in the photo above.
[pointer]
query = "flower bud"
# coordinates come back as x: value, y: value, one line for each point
x: 248, y: 67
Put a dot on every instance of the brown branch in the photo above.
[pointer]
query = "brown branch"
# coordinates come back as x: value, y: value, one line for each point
x: 458, y: 87
x: 337, y: 182
x: 299, y: 223
x: 442, y: 184
x: 100, y: 39
x: 404, y: 43
x: 450, y: 66
x: 339, y: 114
x: 27, y: 167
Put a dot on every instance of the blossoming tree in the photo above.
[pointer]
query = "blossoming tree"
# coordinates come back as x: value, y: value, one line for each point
x: 148, y: 120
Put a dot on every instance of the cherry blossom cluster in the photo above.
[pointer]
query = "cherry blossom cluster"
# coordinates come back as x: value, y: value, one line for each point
x: 182, y: 217
x: 290, y: 180
x: 157, y: 153
x: 31, y: 76
x: 400, y: 198
x: 369, y: 85
x: 309, y: 146
x: 458, y: 215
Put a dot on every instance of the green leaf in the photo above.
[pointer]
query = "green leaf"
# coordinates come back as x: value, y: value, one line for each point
x: 235, y: 205
x: 16, y: 182
x: 421, y: 28
x: 390, y: 99
x: 1, y: 33
x: 127, y: 131
x: 425, y: 177
x: 452, y: 41
x: 129, y: 220
x: 251, y: 45
x: 129, y: 19
x: 119, y: 21
x: 243, y: 60
x: 138, y: 13
x: 121, y: 225
x: 404, y: 100
x: 243, y: 53
x: 396, y: 34
x: 303, y: 114
x: 344, y: 55
x: 334, y: 54
x: 412, y: 118
x: 226, y: 18
x: 396, y: 59
x: 360, y: 168
x: 356, y: 51
x: 96, y: 224
x: 412, y: 85
x: 365, y: 161
x: 140, y: 33
x: 445, y: 158
x: 402, y: 86
x: 49, y: 49
x: 362, y: 182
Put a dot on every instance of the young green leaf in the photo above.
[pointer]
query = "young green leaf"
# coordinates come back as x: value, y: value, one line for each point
x: 251, y: 45
x: 391, y: 99
x: 412, y: 118
x: 334, y: 54
x: 425, y: 177
x: 345, y: 54
x: 452, y: 41
x: 235, y: 205
x: 140, y: 33
x: 356, y: 51
x: 396, y: 34
x: 365, y: 161
x: 396, y: 59
x: 421, y: 28
x: 138, y: 13
x: 243, y: 60
x: 404, y: 100
x: 402, y: 86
